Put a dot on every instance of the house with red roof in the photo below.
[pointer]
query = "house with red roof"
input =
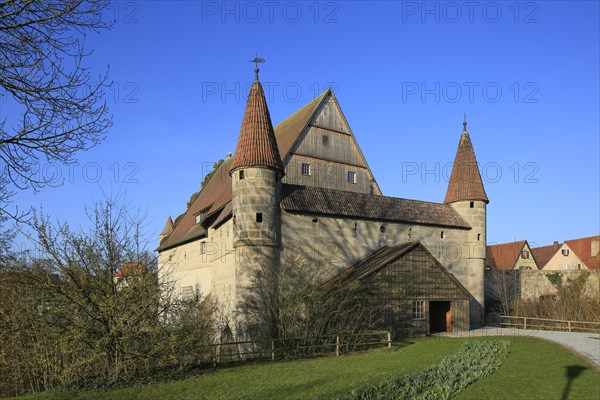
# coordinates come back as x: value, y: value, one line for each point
x: 511, y: 256
x: 305, y: 187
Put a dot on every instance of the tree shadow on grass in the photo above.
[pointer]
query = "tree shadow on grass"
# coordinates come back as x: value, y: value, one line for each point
x: 572, y: 372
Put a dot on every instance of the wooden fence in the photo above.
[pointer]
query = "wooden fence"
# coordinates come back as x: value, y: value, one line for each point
x: 549, y: 324
x: 276, y: 349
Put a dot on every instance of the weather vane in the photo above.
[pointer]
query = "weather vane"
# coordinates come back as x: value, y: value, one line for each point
x: 256, y: 61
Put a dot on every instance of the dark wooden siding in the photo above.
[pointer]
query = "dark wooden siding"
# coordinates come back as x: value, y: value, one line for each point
x: 414, y: 276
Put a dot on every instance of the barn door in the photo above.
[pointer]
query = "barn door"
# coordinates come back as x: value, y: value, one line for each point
x: 449, y: 321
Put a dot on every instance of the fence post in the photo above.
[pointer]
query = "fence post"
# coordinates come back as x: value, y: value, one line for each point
x: 569, y: 326
x: 272, y: 349
x: 525, y: 323
x: 337, y: 346
x: 389, y: 337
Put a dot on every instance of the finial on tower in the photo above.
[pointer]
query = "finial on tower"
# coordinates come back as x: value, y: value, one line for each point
x: 465, y: 123
x: 256, y: 61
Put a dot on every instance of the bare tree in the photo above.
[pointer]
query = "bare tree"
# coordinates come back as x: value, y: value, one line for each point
x: 57, y: 107
x: 90, y: 309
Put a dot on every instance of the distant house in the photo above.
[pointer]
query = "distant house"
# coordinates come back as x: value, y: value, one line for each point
x: 511, y: 256
x: 559, y: 257
x: 410, y: 292
x: 587, y: 250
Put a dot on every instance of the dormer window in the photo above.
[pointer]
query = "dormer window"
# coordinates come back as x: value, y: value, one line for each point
x: 200, y: 218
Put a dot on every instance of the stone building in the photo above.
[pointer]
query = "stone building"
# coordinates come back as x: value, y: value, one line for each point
x: 305, y: 184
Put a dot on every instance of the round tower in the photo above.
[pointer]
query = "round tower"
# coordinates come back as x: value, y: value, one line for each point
x: 256, y: 172
x: 467, y: 196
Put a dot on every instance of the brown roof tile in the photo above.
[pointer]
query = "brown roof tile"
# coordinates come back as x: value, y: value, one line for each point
x: 360, y: 205
x: 168, y: 227
x: 215, y: 194
x: 256, y: 144
x: 583, y: 249
x: 504, y: 256
x: 465, y: 180
x: 381, y: 258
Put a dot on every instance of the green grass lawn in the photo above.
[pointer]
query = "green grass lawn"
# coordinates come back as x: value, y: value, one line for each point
x: 534, y: 369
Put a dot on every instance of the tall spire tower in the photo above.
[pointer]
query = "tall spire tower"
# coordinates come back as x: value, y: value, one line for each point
x: 467, y: 196
x: 256, y: 172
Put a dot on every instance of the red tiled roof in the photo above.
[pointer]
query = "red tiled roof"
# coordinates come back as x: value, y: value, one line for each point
x: 583, y: 249
x: 168, y: 227
x: 256, y: 145
x: 465, y: 180
x: 310, y: 199
x: 504, y: 256
x: 130, y: 268
x: 543, y: 254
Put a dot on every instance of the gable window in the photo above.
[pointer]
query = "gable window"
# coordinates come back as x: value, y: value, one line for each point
x: 351, y: 177
x: 565, y: 252
x: 241, y: 175
x: 524, y: 254
x: 305, y: 169
x: 187, y: 292
x: 202, y: 247
x: 258, y: 217
x: 419, y: 309
x: 325, y: 140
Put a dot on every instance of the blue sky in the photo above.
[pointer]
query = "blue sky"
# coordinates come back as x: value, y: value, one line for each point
x: 526, y: 74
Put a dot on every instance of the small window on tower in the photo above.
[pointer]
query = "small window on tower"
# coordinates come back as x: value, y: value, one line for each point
x: 241, y: 175
x: 382, y: 229
x: 472, y: 204
x: 442, y: 235
x: 305, y: 169
x: 258, y: 217
x: 478, y: 236
x: 325, y: 140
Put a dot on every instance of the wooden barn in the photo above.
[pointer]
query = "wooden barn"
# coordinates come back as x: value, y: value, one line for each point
x: 410, y: 292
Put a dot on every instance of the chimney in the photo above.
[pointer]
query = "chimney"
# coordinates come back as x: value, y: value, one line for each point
x: 555, y: 245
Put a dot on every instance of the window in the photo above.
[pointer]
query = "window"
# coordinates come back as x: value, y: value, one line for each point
x: 419, y: 309
x: 305, y: 169
x: 442, y: 235
x: 563, y: 267
x: 382, y: 229
x: 325, y: 140
x: 472, y: 204
x: 524, y: 254
x: 187, y: 292
x: 202, y: 247
x: 241, y: 175
x: 478, y: 237
x: 565, y: 252
x: 198, y: 219
x: 258, y: 217
x: 355, y: 230
x: 351, y: 177
x: 524, y: 268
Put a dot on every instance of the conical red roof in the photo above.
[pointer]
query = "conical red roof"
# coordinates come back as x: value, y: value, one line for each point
x: 256, y: 145
x: 465, y: 181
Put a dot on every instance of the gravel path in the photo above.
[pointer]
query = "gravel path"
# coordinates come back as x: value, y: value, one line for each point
x: 587, y: 344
